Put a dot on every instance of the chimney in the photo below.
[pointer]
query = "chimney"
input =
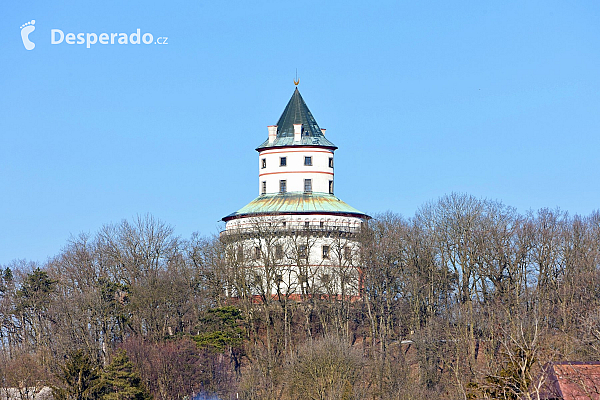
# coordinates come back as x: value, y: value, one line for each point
x: 323, y: 131
x: 272, y: 133
x: 297, y: 132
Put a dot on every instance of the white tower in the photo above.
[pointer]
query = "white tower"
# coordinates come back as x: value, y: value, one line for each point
x: 296, y: 238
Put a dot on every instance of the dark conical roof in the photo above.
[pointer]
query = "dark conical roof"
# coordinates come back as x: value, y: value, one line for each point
x: 297, y: 112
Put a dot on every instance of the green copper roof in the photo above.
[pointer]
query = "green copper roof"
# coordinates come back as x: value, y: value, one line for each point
x: 296, y: 203
x: 296, y: 112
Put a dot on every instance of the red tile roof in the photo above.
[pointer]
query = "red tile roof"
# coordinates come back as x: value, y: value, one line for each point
x: 570, y: 380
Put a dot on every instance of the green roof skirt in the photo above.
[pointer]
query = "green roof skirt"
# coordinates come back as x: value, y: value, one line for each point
x: 297, y: 112
x: 296, y: 203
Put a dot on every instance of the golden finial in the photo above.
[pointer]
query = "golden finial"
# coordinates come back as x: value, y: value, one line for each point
x: 296, y: 81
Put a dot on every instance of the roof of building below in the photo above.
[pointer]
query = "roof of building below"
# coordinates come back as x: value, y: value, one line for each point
x: 570, y: 380
x: 296, y: 203
x: 297, y: 112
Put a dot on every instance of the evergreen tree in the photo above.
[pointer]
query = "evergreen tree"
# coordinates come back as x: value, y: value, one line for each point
x: 121, y: 382
x: 80, y: 377
x: 36, y: 290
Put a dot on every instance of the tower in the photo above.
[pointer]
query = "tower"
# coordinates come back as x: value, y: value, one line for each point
x: 296, y: 238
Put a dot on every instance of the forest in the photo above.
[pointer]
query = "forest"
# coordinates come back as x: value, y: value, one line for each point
x: 467, y: 299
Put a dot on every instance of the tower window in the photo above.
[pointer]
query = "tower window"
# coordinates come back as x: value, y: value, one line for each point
x: 282, y: 161
x: 330, y: 187
x: 308, y: 185
x: 330, y: 162
x: 282, y: 186
x: 325, y: 252
x: 308, y: 161
x: 257, y: 253
x: 264, y: 163
x: 264, y: 187
x: 278, y: 251
x: 347, y: 253
x: 302, y: 251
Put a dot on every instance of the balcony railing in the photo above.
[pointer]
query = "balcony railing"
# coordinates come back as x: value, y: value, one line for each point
x: 292, y: 230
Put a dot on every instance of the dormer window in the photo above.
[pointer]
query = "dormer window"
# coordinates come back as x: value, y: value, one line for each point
x: 282, y: 161
x: 308, y: 161
x: 264, y: 163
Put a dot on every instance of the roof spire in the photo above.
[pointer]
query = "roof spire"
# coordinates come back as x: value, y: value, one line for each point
x: 296, y: 81
x: 297, y: 113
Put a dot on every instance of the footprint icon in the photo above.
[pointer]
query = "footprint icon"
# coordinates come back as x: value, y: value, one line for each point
x: 26, y: 29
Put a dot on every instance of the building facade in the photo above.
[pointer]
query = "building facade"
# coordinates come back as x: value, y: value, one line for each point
x: 296, y: 238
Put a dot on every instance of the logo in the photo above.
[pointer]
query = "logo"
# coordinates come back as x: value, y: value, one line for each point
x: 26, y: 29
x: 57, y: 36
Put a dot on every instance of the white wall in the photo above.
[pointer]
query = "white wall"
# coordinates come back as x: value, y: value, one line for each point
x: 324, y: 274
x: 295, y: 172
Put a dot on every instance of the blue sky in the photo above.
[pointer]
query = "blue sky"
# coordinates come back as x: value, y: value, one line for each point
x: 496, y: 99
